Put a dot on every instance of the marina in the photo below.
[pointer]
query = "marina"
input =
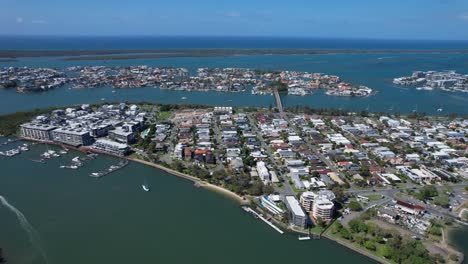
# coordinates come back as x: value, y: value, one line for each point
x: 75, y: 163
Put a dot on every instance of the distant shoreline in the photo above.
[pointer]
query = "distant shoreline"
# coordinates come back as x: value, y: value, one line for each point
x: 125, y: 54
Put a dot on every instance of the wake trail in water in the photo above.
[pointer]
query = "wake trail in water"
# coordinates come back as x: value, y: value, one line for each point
x: 32, y: 233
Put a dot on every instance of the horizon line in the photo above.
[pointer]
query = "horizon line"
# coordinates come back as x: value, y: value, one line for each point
x: 226, y: 36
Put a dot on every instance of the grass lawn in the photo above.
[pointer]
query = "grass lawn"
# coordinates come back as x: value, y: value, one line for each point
x: 316, y: 230
x: 163, y: 115
x: 373, y: 197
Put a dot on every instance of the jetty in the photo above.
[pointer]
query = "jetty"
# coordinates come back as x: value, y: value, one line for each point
x: 260, y: 216
x: 109, y: 170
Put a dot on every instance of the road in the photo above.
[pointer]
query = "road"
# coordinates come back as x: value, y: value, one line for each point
x: 316, y: 152
x: 279, y: 104
x: 286, y: 189
x: 433, y: 209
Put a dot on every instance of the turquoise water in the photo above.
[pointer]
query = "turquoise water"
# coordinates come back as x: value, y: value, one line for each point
x: 373, y: 70
x: 80, y: 219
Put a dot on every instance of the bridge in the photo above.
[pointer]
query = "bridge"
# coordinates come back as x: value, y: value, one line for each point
x: 279, y: 104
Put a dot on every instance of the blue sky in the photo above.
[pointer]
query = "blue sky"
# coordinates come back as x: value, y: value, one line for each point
x: 393, y: 19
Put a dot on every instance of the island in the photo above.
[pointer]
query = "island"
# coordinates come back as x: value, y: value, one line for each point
x: 430, y: 80
x: 26, y: 79
x: 386, y: 186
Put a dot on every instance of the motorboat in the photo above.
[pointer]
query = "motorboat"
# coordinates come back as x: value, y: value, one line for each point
x: 145, y: 187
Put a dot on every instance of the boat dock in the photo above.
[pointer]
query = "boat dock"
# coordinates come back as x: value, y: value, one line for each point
x: 111, y: 169
x: 260, y: 216
x: 15, y: 151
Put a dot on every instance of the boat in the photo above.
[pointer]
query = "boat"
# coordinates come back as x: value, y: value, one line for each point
x: 301, y: 238
x: 183, y: 98
x: 145, y: 187
x: 440, y: 110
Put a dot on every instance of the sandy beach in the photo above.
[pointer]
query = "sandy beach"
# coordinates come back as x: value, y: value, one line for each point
x: 206, y: 185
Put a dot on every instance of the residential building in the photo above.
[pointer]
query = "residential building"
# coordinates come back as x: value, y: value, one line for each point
x: 297, y: 216
x: 111, y: 147
x: 323, y: 208
x: 72, y: 137
x: 36, y: 131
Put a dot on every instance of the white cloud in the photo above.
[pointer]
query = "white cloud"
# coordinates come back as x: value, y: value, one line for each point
x: 233, y: 14
x: 19, y: 20
x: 39, y: 21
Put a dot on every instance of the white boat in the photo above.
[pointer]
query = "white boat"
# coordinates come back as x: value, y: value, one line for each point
x: 145, y: 187
x: 304, y: 238
x: 440, y: 110
x: 183, y: 98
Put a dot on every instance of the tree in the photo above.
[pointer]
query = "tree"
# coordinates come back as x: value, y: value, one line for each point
x: 356, y: 225
x: 339, y: 194
x: 320, y: 222
x: 370, y: 245
x: 2, y: 260
x: 355, y: 206
x: 426, y: 192
x: 442, y: 200
x: 220, y: 174
x: 384, y: 251
x: 178, y: 166
x: 151, y: 147
x: 268, y: 189
x: 256, y: 188
x: 345, y: 233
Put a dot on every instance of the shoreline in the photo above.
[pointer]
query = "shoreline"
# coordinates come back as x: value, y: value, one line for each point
x: 240, y: 199
x: 354, y: 248
x: 449, y: 242
x: 119, y: 54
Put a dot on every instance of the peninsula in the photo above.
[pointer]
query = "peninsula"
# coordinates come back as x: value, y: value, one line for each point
x: 378, y: 184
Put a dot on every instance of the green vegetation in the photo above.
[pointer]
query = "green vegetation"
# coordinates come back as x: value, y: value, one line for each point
x: 442, y: 200
x: 374, y: 197
x: 281, y: 87
x: 240, y: 183
x: 426, y: 192
x: 355, y: 206
x: 163, y: 115
x: 385, y: 243
x: 2, y: 259
x: 316, y: 230
x: 10, y: 123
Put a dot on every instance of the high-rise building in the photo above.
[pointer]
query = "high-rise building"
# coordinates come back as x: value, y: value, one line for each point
x: 307, y: 200
x: 73, y: 137
x: 298, y: 217
x: 323, y: 208
x: 36, y: 131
